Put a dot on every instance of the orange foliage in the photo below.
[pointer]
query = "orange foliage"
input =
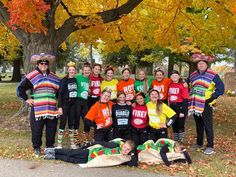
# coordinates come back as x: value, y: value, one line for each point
x: 19, y: 18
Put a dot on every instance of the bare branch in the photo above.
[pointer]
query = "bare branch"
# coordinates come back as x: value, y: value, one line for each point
x: 107, y: 16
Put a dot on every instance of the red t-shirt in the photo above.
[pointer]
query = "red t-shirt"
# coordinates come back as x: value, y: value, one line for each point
x: 139, y: 116
x: 95, y: 85
x: 177, y: 93
x: 162, y: 87
x: 127, y: 87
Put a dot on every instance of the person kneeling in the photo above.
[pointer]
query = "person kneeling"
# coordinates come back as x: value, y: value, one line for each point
x: 125, y: 150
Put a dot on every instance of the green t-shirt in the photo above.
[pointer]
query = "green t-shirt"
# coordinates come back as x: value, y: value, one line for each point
x: 83, y: 86
x: 138, y: 86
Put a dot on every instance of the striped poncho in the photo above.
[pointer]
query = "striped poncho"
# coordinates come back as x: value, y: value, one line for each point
x: 199, y: 84
x: 44, y: 94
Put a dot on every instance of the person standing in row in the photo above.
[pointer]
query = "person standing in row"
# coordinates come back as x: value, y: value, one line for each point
x: 139, y: 120
x: 67, y: 105
x: 110, y: 83
x: 161, y: 84
x: 158, y: 113
x: 205, y: 87
x: 178, y: 99
x: 126, y: 85
x: 44, y: 87
x: 121, y: 116
x: 142, y: 84
x: 99, y: 117
x: 95, y: 85
x: 82, y: 103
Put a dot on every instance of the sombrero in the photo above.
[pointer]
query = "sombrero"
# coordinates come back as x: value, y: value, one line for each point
x: 196, y: 57
x: 42, y: 56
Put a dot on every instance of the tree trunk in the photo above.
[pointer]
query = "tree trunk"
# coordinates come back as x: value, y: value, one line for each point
x: 170, y: 65
x: 192, y: 67
x: 37, y: 44
x: 16, y: 76
x: 91, y: 54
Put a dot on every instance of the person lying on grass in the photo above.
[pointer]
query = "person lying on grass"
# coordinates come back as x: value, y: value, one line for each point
x: 100, y: 154
x: 163, y: 150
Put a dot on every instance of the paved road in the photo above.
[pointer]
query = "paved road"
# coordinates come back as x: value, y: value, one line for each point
x: 22, y: 168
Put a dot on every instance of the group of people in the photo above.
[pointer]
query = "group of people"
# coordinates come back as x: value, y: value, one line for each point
x: 134, y: 110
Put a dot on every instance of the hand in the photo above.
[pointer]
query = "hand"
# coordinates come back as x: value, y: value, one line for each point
x: 60, y: 112
x: 30, y: 102
x: 99, y: 126
x: 133, y: 105
x: 181, y: 115
x: 128, y: 103
x: 185, y: 85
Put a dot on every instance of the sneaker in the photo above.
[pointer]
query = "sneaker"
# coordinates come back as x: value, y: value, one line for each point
x: 73, y: 146
x: 59, y: 146
x: 37, y: 151
x: 49, y: 157
x: 197, y: 148
x: 209, y: 151
x: 49, y: 151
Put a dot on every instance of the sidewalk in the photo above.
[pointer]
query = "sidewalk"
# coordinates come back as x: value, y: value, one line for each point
x: 23, y: 168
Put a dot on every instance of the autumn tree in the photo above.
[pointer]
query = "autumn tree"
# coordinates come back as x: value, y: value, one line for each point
x: 42, y: 26
x: 38, y: 24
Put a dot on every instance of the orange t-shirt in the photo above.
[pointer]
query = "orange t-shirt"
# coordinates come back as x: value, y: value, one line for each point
x: 162, y: 87
x: 100, y: 113
x: 127, y: 87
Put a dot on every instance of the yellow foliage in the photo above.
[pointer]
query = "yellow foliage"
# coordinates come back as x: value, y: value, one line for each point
x: 8, y: 43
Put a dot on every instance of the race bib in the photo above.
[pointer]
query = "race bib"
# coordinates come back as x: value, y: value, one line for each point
x: 138, y: 121
x: 84, y: 94
x: 122, y: 121
x: 96, y: 91
x: 72, y: 94
x: 161, y: 95
x: 173, y: 98
x: 108, y: 121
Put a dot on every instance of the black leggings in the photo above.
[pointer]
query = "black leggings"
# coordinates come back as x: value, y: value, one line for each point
x: 139, y: 135
x: 103, y: 134
x: 179, y: 123
x: 156, y: 134
x: 72, y: 155
x: 82, y: 109
x: 69, y: 113
x: 122, y: 133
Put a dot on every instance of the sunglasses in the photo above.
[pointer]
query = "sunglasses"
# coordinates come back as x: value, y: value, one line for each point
x: 44, y: 63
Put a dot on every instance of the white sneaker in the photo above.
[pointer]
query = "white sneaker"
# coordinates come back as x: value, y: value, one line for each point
x: 59, y: 146
x: 73, y: 146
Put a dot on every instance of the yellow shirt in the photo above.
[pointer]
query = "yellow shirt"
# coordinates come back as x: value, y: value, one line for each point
x: 111, y: 85
x: 154, y: 118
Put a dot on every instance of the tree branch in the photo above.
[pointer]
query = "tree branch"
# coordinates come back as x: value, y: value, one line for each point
x: 107, y: 16
x: 67, y: 10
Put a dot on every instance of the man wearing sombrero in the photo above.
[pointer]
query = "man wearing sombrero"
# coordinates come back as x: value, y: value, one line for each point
x: 44, y: 86
x: 205, y: 87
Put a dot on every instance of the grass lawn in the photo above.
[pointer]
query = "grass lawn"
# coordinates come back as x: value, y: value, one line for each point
x: 15, y: 143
